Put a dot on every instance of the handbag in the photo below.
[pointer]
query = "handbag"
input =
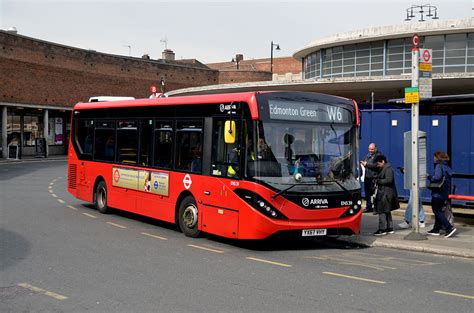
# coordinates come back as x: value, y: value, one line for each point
x: 448, y: 212
x: 437, y: 185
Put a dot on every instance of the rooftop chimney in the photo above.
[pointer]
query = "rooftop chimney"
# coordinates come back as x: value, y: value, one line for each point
x: 12, y: 30
x: 168, y: 55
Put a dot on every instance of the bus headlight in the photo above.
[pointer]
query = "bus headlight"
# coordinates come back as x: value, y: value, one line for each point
x: 260, y: 204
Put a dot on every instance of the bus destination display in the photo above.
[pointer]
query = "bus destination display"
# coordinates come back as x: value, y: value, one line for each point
x: 308, y: 112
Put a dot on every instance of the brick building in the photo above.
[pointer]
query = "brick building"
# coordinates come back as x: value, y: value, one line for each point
x: 41, y: 81
x: 239, y: 72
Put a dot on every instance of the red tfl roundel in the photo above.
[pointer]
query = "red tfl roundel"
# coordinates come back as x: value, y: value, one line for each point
x: 153, y: 89
x: 426, y: 56
x: 116, y: 175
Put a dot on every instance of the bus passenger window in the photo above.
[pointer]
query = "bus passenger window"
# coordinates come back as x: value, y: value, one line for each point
x: 146, y: 132
x: 188, y: 146
x: 85, y: 135
x: 104, y: 144
x: 127, y: 142
x: 163, y: 144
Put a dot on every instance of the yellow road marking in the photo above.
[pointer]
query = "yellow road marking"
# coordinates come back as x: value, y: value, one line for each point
x: 61, y: 201
x: 207, y: 249
x: 90, y: 215
x: 154, y: 236
x: 269, y: 262
x: 71, y: 207
x: 54, y: 295
x: 454, y: 294
x: 54, y: 195
x: 51, y: 184
x: 116, y: 225
x: 354, y: 277
x: 50, y: 187
x: 50, y: 191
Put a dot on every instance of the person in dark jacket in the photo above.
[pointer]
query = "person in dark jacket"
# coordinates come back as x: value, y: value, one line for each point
x: 386, y: 199
x: 371, y: 170
x: 439, y: 196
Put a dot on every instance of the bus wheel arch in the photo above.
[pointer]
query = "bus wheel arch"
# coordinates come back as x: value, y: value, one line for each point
x: 187, y: 217
x: 100, y: 195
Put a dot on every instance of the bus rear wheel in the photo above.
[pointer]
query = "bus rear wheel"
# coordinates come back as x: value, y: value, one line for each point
x: 188, y: 217
x: 100, y: 198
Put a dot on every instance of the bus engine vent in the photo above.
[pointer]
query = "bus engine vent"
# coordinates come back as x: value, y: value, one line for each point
x: 72, y: 176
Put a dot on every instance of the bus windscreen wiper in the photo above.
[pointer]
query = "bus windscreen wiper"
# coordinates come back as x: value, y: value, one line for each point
x: 283, y: 190
x: 338, y: 183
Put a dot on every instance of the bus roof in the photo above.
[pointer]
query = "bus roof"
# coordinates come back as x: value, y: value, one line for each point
x: 248, y: 97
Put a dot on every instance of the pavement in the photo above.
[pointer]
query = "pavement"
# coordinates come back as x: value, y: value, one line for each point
x: 461, y: 244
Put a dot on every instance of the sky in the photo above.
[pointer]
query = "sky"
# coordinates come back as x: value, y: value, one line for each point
x: 209, y: 31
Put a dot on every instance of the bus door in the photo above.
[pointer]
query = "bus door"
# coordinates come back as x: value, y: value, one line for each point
x: 220, y: 212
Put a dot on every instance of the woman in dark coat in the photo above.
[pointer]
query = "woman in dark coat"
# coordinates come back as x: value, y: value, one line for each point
x: 386, y: 199
x: 439, y: 196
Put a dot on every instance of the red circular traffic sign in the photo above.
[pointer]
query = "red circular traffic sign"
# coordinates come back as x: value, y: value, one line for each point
x: 415, y: 41
x: 153, y: 89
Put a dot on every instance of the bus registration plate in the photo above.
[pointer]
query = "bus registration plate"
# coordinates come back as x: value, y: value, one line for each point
x: 314, y: 232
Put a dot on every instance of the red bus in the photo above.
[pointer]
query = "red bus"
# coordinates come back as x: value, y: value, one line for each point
x: 242, y: 165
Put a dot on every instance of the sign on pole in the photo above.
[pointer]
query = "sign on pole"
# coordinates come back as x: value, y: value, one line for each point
x: 425, y: 82
x: 412, y: 95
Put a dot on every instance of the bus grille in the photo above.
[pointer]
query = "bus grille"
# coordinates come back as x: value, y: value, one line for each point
x: 72, y: 176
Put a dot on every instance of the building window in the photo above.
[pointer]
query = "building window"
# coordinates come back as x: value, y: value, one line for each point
x: 312, y: 66
x: 348, y: 60
x: 436, y: 43
x: 455, y: 58
x: 327, y: 62
x: 395, y: 56
x: 13, y: 129
x: 55, y: 131
x: 32, y: 129
x: 470, y: 52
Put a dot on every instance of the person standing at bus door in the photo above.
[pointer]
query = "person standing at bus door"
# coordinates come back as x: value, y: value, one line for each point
x: 439, y: 196
x: 371, y: 171
x: 386, y: 199
x: 408, y: 211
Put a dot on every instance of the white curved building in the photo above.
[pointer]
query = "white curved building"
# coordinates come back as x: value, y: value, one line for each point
x: 386, y: 51
x: 374, y: 64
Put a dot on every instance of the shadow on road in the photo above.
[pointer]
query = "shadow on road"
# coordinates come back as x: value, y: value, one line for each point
x: 274, y: 243
x: 13, y: 247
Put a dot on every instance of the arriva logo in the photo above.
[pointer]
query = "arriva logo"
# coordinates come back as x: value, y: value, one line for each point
x: 307, y: 201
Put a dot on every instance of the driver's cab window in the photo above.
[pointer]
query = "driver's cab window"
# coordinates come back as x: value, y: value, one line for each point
x: 226, y: 157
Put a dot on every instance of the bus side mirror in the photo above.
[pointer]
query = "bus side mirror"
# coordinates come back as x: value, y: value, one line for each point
x: 229, y: 132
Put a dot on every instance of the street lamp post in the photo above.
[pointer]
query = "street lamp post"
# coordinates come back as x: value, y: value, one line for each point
x: 237, y: 59
x: 277, y: 47
x: 421, y: 10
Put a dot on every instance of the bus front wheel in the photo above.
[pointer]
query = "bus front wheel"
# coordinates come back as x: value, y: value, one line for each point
x: 188, y: 217
x: 101, y: 198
